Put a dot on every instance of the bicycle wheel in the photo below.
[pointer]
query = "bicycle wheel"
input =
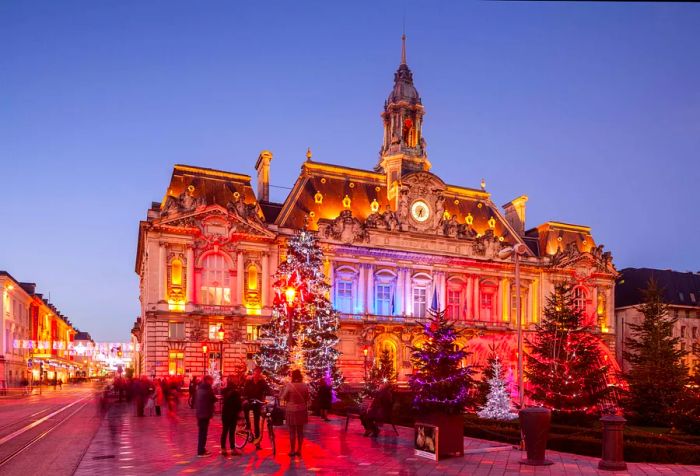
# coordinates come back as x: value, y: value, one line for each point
x: 271, y: 434
x: 241, y: 436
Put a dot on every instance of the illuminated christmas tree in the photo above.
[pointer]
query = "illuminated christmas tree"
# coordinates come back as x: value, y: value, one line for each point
x: 565, y: 367
x: 381, y: 372
x: 498, y: 402
x: 440, y: 379
x: 301, y: 298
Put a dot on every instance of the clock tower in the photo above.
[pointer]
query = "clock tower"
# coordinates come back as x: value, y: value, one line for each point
x: 403, y: 149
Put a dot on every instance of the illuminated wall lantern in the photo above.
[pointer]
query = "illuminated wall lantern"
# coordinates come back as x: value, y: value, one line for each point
x: 346, y: 202
x: 365, y: 350
x: 220, y: 332
x: 374, y: 206
x: 204, y: 349
x: 318, y: 198
x: 492, y: 222
x: 469, y: 219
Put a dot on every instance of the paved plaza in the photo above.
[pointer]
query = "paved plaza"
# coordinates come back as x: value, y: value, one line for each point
x: 127, y: 445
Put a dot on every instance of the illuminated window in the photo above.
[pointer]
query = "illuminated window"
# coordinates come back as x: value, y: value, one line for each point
x: 454, y: 304
x: 214, y: 331
x: 252, y: 278
x: 176, y: 362
x: 343, y: 296
x: 523, y: 304
x: 580, y: 299
x: 252, y: 332
x: 420, y: 300
x: 216, y: 288
x: 176, y: 272
x: 176, y: 330
x: 383, y: 300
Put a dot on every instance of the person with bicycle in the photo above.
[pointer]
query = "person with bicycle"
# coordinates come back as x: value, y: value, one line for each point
x: 255, y: 391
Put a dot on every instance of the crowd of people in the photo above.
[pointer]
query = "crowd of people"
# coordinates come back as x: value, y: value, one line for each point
x: 246, y: 394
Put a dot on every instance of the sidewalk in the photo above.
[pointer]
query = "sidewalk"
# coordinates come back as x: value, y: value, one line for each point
x: 128, y: 445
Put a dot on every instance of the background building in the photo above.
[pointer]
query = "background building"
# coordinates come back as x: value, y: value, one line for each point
x: 681, y: 291
x: 15, y: 303
x: 392, y: 237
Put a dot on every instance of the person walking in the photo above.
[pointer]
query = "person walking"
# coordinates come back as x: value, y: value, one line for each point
x: 325, y: 398
x: 296, y: 396
x: 230, y: 408
x: 204, y: 410
x: 158, y: 396
x: 255, y: 391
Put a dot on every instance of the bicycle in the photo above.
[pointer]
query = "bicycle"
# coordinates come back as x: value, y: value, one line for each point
x: 245, y: 435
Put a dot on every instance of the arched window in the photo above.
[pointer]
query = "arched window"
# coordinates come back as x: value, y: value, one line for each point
x: 455, y: 299
x: 487, y: 301
x: 176, y: 272
x: 384, y: 293
x: 344, y: 287
x: 216, y: 286
x: 252, y: 277
x: 421, y: 283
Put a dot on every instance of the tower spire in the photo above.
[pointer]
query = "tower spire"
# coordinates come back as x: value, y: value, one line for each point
x: 403, y: 48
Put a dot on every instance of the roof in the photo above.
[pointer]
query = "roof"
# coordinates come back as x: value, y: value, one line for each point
x: 679, y: 288
x: 555, y: 236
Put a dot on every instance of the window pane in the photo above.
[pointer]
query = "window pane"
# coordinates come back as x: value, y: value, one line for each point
x: 419, y: 301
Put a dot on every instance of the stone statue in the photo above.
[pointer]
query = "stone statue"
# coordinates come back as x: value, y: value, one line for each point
x: 439, y: 211
x: 390, y: 220
x: 403, y: 207
x: 451, y: 227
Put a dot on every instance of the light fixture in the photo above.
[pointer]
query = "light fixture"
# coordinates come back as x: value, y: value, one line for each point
x: 290, y: 293
x: 220, y: 332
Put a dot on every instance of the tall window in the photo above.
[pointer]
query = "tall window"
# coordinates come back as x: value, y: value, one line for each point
x: 176, y: 362
x: 454, y: 300
x: 383, y: 300
x: 176, y: 330
x: 343, y: 296
x: 486, y: 311
x: 176, y: 272
x: 580, y: 299
x: 216, y: 288
x: 252, y: 332
x: 420, y: 299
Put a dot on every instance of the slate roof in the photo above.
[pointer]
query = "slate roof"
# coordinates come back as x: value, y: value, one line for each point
x: 678, y: 287
x: 552, y: 236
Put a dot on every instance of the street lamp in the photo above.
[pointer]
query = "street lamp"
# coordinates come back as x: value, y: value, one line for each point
x: 365, y: 350
x: 516, y: 251
x: 221, y: 335
x: 289, y: 294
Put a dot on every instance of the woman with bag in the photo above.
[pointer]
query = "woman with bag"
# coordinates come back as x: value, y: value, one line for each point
x: 296, y: 396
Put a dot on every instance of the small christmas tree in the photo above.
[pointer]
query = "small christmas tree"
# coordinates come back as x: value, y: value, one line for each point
x: 658, y: 375
x: 440, y: 380
x: 498, y: 403
x: 302, y: 299
x: 380, y: 373
x: 565, y: 367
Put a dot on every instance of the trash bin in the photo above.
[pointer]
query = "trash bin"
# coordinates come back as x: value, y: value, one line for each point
x: 534, y: 424
x: 613, y: 454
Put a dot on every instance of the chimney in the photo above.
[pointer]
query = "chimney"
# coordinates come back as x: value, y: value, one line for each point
x: 515, y: 214
x: 263, y: 168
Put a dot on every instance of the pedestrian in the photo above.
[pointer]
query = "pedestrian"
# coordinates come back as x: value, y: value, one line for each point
x: 325, y: 398
x: 255, y: 391
x: 204, y: 410
x: 158, y: 400
x: 379, y: 410
x: 192, y: 391
x: 296, y: 396
x: 230, y: 408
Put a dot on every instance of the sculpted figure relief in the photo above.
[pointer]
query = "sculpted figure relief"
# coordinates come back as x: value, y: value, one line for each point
x: 345, y: 228
x: 184, y: 202
x: 403, y: 206
x: 438, y: 219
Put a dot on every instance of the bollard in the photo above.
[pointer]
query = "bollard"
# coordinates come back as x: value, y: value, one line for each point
x: 535, y: 423
x: 613, y: 453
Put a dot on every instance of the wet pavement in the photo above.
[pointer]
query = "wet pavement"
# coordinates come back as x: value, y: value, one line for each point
x: 127, y: 445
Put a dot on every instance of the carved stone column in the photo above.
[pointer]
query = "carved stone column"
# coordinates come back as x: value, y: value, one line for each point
x: 240, y: 273
x: 162, y: 271
x: 399, y: 293
x: 190, y: 275
x: 407, y: 292
x: 442, y: 289
x: 265, y: 291
x: 360, y: 305
x: 469, y: 298
x: 370, y: 288
x: 476, y: 298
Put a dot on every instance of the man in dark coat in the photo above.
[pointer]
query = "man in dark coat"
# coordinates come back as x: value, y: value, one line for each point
x: 204, y: 410
x: 378, y: 411
x: 255, y: 391
x: 231, y: 407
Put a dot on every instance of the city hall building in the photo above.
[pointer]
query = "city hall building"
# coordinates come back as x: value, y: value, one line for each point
x: 392, y: 237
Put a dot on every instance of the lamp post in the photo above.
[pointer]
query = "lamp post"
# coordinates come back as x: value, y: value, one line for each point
x: 220, y: 333
x: 289, y: 294
x: 365, y: 350
x: 516, y: 251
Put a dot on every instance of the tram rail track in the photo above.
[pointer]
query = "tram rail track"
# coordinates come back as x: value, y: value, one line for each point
x: 44, y: 431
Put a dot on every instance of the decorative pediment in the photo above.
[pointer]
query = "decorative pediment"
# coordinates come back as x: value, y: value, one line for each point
x: 594, y: 259
x: 218, y: 225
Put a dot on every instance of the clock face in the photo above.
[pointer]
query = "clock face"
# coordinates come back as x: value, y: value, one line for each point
x: 420, y: 211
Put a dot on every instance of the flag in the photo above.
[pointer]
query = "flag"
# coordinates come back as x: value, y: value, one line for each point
x: 435, y: 306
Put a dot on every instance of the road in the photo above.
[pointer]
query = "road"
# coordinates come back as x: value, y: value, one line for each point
x: 48, y: 433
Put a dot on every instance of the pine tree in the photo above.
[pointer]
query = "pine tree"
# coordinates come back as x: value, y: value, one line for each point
x: 657, y: 375
x: 301, y: 294
x: 498, y: 402
x: 565, y: 366
x: 482, y: 386
x: 440, y: 381
x: 381, y: 372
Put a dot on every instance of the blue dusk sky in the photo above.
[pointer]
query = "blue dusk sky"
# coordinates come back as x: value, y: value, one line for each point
x: 591, y: 109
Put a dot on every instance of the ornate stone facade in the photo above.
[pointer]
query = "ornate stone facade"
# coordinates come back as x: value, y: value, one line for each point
x: 393, y: 237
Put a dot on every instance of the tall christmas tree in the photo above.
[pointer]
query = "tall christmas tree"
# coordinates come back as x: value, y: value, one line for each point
x: 565, y: 367
x: 302, y: 332
x: 657, y: 374
x: 380, y: 373
x: 440, y: 380
x: 498, y: 402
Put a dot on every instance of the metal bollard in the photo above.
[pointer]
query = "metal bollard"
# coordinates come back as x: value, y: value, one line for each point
x: 534, y: 423
x: 613, y: 453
